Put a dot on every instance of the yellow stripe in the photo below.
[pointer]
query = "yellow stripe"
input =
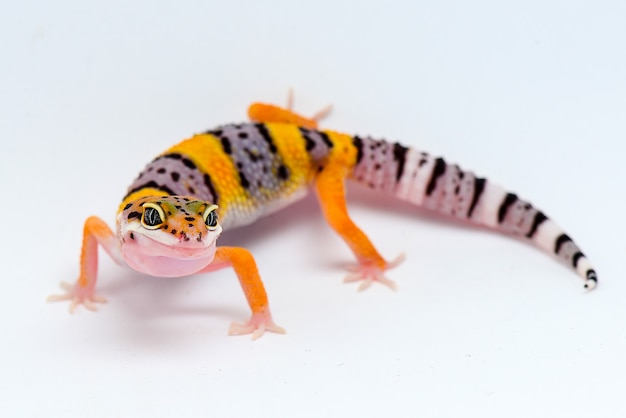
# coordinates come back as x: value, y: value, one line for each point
x: 206, y: 151
x: 147, y: 191
x: 343, y: 151
x: 291, y: 147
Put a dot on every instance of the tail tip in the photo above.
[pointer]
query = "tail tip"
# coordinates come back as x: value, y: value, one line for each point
x: 592, y: 280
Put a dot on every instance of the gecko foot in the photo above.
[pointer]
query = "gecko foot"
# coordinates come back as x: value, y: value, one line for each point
x: 317, y: 116
x: 257, y: 325
x: 78, y: 295
x: 369, y: 273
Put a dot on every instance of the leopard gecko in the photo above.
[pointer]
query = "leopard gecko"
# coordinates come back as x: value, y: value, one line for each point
x: 172, y: 214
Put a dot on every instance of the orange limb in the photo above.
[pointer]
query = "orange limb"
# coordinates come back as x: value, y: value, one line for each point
x: 245, y: 267
x: 95, y: 232
x: 261, y: 112
x: 330, y: 188
x: 267, y: 113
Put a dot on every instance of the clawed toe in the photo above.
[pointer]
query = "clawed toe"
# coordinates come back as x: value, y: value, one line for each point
x: 78, y: 296
x: 367, y: 274
x: 258, y: 324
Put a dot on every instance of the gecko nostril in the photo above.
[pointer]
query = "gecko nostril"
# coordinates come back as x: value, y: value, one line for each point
x: 183, y: 236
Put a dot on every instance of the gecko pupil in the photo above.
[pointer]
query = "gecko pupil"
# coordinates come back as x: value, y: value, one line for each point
x: 211, y: 220
x: 151, y: 217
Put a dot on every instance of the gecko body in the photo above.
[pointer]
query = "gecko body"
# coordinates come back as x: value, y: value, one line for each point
x: 173, y: 213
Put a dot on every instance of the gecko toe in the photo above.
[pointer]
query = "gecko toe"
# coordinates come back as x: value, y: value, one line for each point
x: 367, y: 274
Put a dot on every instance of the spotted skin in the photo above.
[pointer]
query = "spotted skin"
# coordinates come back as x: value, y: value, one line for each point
x: 175, y: 175
x: 182, y: 215
x: 274, y: 164
x: 167, y: 223
x: 434, y: 184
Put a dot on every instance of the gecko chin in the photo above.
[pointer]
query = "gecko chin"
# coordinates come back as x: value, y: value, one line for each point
x: 167, y: 267
x: 156, y: 259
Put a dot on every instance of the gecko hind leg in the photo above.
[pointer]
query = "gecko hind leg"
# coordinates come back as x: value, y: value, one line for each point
x: 370, y: 273
x: 371, y: 266
x: 263, y: 112
x: 317, y: 116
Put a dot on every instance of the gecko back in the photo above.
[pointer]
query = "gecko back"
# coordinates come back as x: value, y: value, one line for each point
x: 253, y: 169
x: 170, y: 219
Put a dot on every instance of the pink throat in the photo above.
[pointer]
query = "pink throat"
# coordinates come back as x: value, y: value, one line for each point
x: 150, y: 257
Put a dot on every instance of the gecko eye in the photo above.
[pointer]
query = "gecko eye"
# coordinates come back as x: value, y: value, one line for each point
x: 210, y: 217
x: 153, y: 216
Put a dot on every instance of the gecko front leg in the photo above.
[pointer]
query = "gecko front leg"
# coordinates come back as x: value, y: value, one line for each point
x: 245, y: 267
x: 95, y: 232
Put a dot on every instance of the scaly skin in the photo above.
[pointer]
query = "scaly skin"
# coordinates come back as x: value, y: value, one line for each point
x: 167, y: 222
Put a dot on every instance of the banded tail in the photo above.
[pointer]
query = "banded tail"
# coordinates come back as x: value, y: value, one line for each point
x: 430, y: 182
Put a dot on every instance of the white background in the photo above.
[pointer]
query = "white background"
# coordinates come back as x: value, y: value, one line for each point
x: 531, y: 95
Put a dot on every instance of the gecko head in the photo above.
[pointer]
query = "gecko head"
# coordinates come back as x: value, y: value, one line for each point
x: 169, y: 236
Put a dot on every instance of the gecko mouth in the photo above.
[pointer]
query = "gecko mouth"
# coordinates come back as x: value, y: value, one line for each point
x: 152, y: 257
x: 176, y: 249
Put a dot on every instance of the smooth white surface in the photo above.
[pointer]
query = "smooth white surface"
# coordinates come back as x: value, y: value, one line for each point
x: 531, y: 95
